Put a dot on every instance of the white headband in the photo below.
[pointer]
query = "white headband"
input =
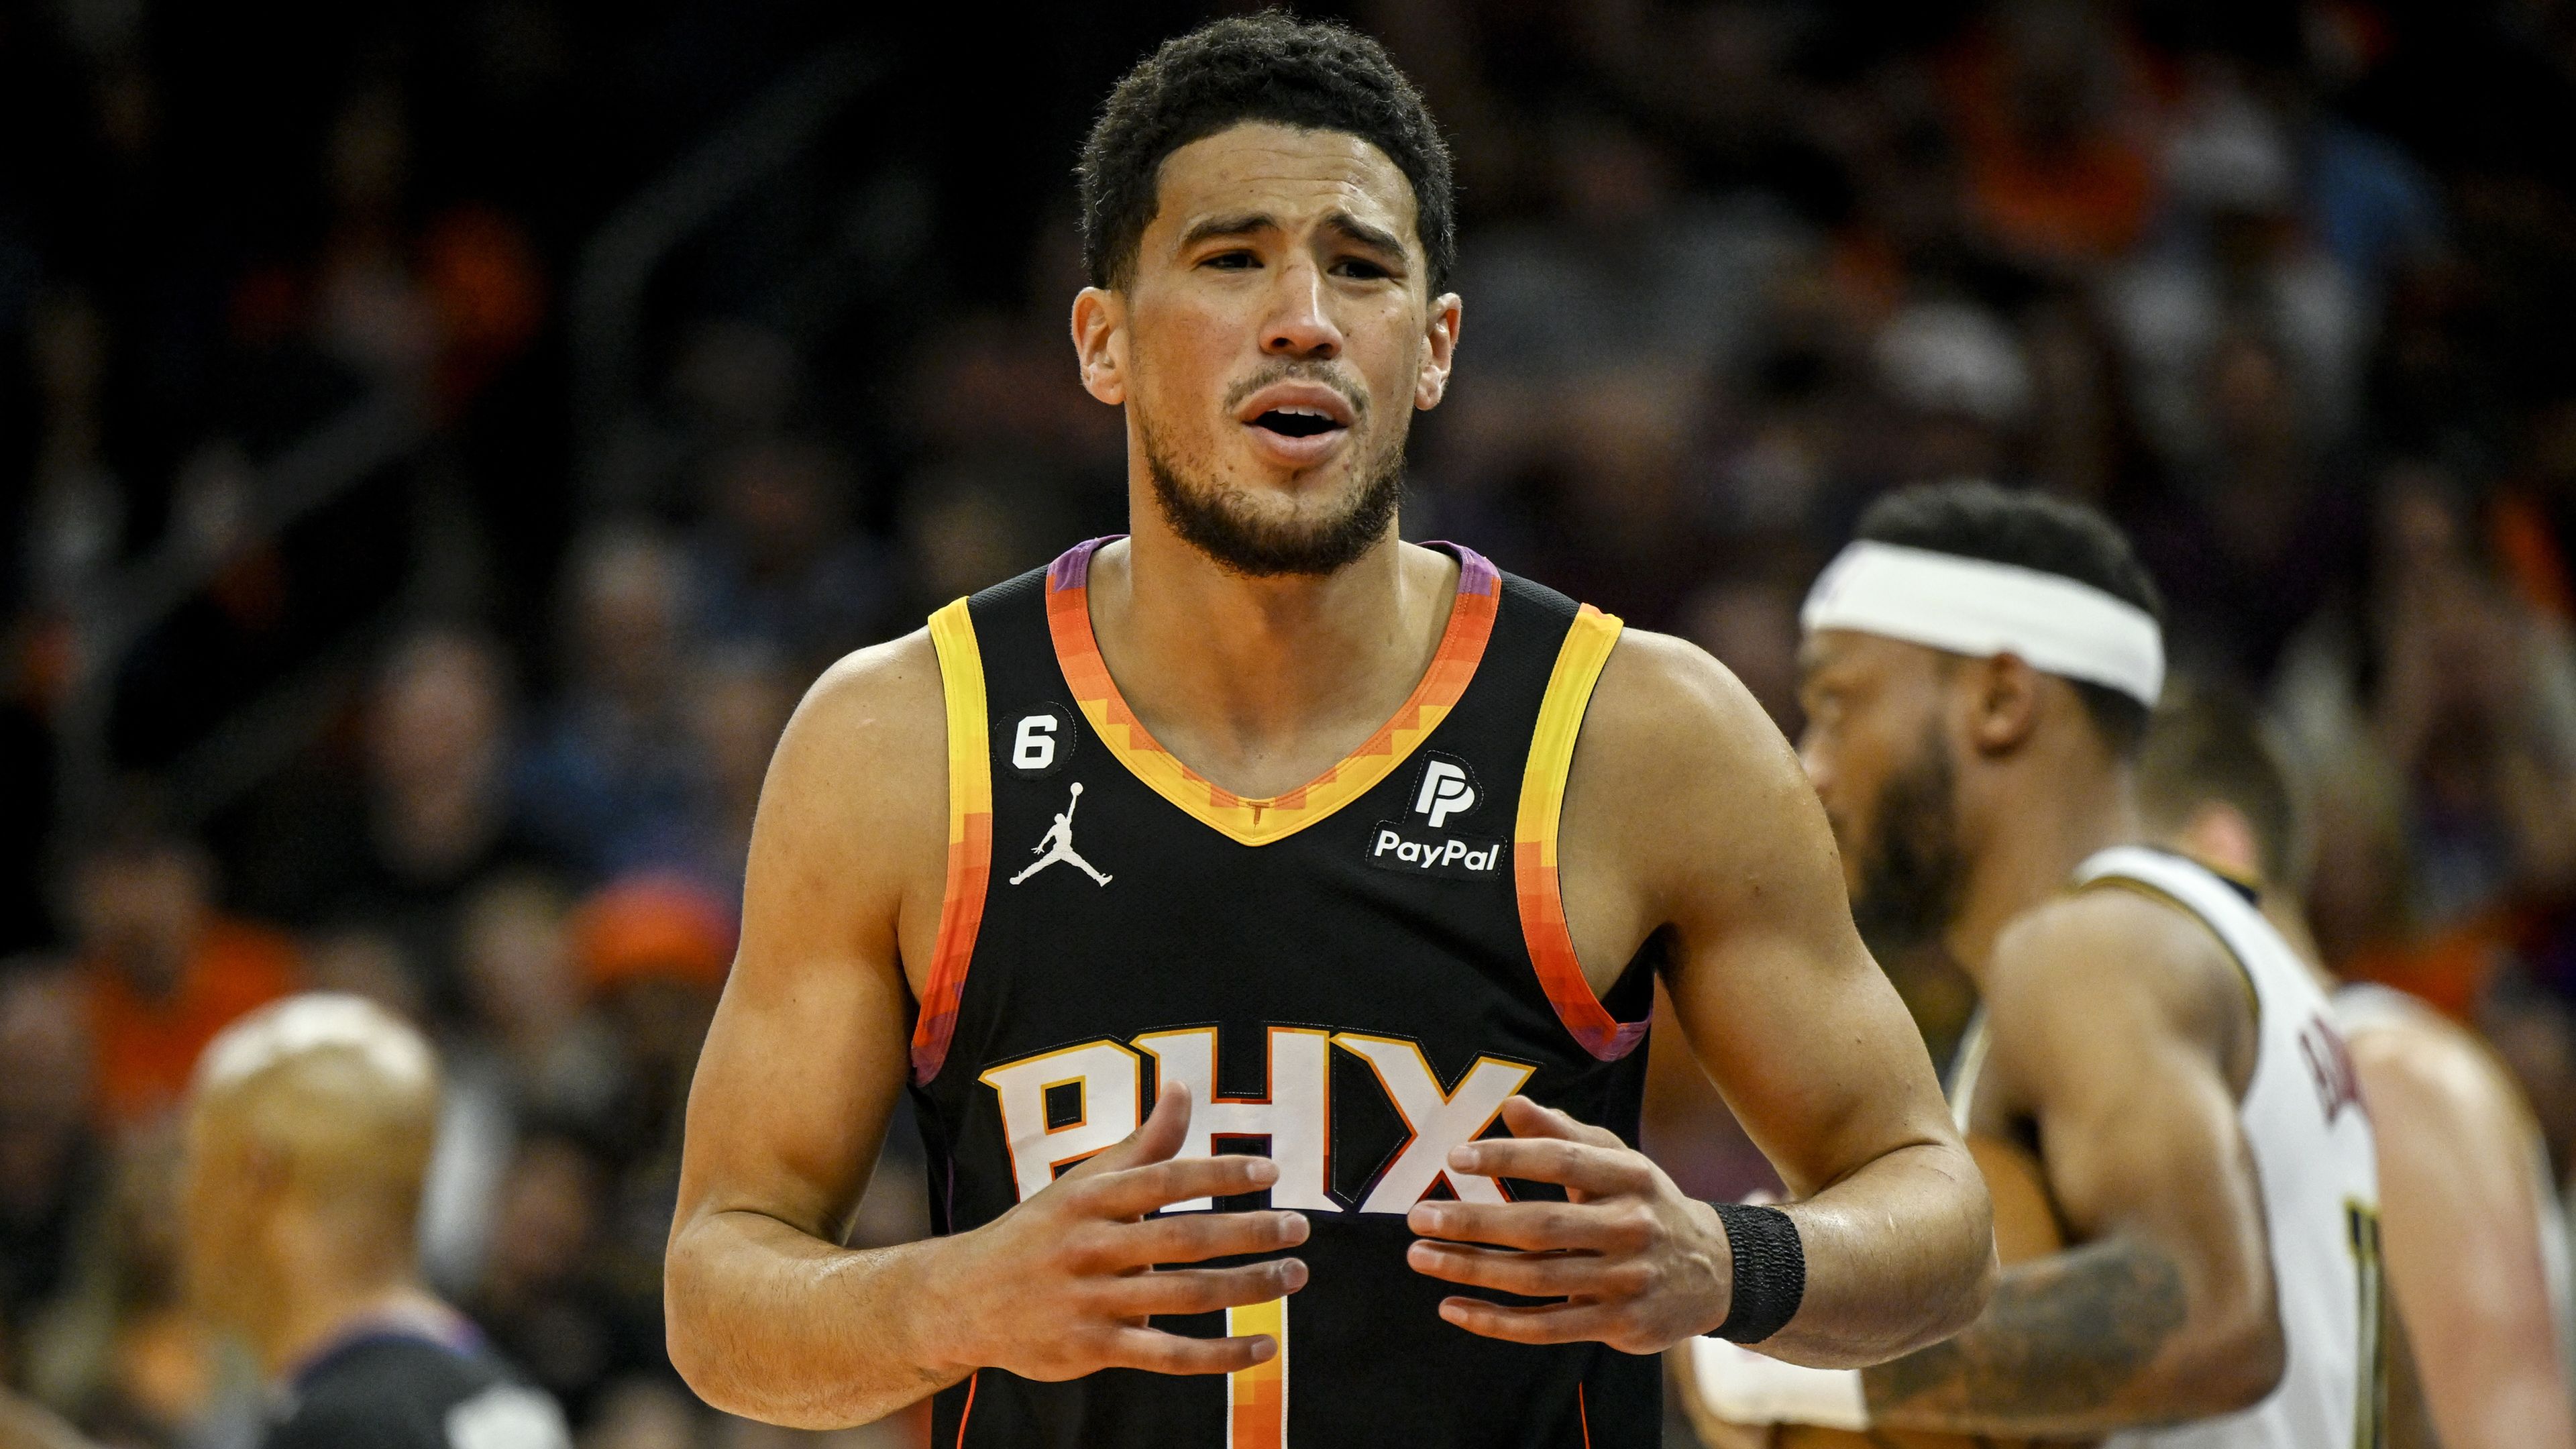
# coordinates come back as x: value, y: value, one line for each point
x: 1970, y: 606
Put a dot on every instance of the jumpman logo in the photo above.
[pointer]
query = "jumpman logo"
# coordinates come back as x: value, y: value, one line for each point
x: 1057, y: 844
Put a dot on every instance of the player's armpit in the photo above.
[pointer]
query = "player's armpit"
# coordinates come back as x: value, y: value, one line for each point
x: 1687, y: 812
x: 2106, y: 1017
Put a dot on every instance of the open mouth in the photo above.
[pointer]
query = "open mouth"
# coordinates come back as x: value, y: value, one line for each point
x: 1295, y: 422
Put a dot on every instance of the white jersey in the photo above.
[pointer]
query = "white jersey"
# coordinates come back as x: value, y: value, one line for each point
x: 2362, y: 1006
x: 2303, y: 1122
x: 2310, y: 1139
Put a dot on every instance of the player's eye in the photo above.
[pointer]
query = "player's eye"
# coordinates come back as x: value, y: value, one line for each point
x: 1362, y: 268
x: 1235, y: 261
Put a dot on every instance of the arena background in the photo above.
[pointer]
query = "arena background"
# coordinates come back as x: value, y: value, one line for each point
x: 438, y: 442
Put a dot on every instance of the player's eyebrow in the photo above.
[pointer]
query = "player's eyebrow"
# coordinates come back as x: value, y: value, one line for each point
x: 1246, y: 223
x: 1239, y: 224
x: 1374, y: 238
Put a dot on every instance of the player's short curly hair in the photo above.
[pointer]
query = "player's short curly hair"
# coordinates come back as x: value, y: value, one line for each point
x: 1310, y: 74
x: 2034, y: 531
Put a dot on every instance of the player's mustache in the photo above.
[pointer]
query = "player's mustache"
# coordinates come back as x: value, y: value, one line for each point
x: 1302, y: 371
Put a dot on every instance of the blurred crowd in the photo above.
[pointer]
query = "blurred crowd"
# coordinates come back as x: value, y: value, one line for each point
x: 2283, y: 286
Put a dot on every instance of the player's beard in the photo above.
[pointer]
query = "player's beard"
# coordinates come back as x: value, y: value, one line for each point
x: 1913, y: 874
x: 1219, y: 521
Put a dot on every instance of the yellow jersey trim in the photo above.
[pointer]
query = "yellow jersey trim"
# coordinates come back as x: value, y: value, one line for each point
x: 1579, y: 661
x: 970, y: 834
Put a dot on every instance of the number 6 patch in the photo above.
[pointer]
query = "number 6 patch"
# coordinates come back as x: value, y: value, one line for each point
x: 1037, y: 741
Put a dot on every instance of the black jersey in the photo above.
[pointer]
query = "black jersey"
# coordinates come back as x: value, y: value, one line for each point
x: 1351, y: 977
x: 402, y: 1389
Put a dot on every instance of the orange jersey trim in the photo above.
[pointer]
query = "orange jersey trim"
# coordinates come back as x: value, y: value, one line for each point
x: 1551, y: 947
x: 1259, y: 822
x: 970, y: 835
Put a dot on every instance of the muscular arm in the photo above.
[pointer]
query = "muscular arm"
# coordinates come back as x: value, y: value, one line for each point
x: 2111, y: 1019
x: 769, y: 1317
x: 1686, y: 812
x: 2460, y: 1235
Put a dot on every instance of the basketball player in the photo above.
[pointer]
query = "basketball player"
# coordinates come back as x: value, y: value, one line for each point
x: 2473, y: 1236
x: 309, y: 1126
x: 1978, y: 671
x: 1377, y: 848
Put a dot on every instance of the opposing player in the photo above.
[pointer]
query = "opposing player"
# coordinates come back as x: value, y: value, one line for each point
x: 1978, y: 672
x: 309, y: 1124
x: 2473, y: 1235
x: 1377, y: 847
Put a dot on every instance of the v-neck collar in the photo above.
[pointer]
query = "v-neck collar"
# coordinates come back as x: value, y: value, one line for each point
x: 1250, y: 821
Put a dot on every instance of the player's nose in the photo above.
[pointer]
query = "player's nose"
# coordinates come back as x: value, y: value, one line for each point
x: 1299, y: 324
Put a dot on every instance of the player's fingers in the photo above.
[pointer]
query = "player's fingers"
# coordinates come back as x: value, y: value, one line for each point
x: 1584, y: 1166
x: 1202, y: 1290
x: 1196, y: 1237
x: 1528, y: 1119
x: 1155, y: 1139
x: 1135, y: 1191
x: 1536, y: 1226
x: 1531, y: 1275
x: 1540, y: 1323
x: 1170, y: 1353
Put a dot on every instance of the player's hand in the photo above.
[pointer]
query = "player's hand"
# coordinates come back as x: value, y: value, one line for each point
x: 1062, y: 1285
x: 1638, y: 1266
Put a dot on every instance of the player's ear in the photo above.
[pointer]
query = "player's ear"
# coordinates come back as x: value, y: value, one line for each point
x: 2005, y: 703
x: 1439, y: 352
x: 2219, y: 835
x: 1100, y: 343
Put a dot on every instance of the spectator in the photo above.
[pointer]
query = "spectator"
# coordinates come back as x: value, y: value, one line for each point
x: 164, y: 969
x: 2250, y: 536
x: 525, y: 1056
x: 53, y: 1167
x: 426, y: 819
x: 608, y: 781
x: 541, y: 1296
x: 2049, y: 105
x: 653, y: 950
x: 780, y: 569
x: 738, y: 708
x: 1962, y: 386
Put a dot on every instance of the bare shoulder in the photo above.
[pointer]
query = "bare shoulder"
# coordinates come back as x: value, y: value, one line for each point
x: 1665, y: 714
x: 881, y: 692
x: 858, y: 787
x: 1686, y: 805
x: 2105, y: 961
x: 874, y: 721
x: 2440, y: 1068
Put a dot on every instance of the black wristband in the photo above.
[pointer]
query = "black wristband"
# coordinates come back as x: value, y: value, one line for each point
x: 1770, y: 1271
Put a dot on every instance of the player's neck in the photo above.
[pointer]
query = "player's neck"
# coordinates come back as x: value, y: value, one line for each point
x: 1262, y: 684
x: 2045, y: 824
x: 312, y: 1317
